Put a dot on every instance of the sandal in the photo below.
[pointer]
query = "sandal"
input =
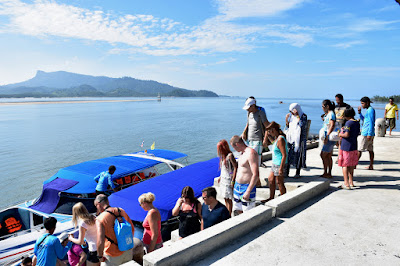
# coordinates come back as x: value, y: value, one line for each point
x: 345, y: 187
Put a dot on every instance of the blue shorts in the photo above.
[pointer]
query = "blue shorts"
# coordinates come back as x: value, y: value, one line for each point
x: 240, y: 204
x: 328, y: 147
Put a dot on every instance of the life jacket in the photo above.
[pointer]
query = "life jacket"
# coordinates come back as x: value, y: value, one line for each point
x: 13, y: 225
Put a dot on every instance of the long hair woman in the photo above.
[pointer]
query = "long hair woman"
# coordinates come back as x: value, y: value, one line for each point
x: 152, y: 238
x: 87, y: 229
x: 228, y: 166
x: 327, y: 127
x: 279, y: 159
x: 188, y: 208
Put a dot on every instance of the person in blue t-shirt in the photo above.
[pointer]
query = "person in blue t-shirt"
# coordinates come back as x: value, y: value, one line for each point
x: 104, y: 180
x: 367, y: 131
x: 48, y: 247
x: 212, y: 211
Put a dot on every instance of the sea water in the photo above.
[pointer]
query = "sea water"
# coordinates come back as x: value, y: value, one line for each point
x: 39, y: 139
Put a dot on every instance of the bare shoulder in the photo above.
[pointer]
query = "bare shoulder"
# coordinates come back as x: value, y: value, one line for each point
x: 251, y: 152
x: 154, y: 214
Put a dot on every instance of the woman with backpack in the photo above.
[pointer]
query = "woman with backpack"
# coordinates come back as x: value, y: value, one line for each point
x: 87, y: 229
x: 188, y: 208
x: 152, y: 238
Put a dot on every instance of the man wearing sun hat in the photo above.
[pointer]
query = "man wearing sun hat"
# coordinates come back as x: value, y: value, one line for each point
x: 254, y: 132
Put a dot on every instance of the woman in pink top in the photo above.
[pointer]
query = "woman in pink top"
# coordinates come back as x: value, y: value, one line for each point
x: 152, y: 238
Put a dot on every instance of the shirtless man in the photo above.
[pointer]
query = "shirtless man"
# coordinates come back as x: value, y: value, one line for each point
x: 244, y: 193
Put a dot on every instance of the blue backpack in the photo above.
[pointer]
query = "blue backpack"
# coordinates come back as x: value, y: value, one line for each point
x: 123, y: 232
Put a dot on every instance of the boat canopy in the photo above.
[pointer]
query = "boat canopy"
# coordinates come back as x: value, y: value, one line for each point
x: 85, y: 172
x: 167, y: 188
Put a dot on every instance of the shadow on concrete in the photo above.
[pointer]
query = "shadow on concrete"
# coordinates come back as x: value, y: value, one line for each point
x: 273, y: 223
x: 375, y: 178
x: 366, y: 162
x: 396, y: 187
x: 240, y: 242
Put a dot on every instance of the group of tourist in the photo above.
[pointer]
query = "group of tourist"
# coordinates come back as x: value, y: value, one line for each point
x: 237, y: 182
x: 342, y: 129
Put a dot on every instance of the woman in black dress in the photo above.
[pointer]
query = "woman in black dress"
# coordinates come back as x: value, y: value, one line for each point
x: 188, y: 208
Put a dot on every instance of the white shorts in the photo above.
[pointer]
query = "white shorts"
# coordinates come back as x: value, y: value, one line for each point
x: 258, y: 147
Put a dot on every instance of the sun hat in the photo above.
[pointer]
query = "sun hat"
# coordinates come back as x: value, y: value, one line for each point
x: 249, y: 102
x: 63, y: 236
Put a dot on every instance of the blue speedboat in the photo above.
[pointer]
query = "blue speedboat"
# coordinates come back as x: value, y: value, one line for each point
x: 22, y: 224
x: 167, y: 189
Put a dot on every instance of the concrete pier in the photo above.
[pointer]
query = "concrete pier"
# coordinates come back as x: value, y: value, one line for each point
x: 338, y: 227
x: 316, y: 222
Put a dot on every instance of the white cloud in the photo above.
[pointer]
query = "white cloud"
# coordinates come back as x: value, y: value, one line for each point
x: 150, y: 35
x: 345, y: 45
x: 361, y: 71
x: 366, y: 24
x: 232, y: 9
x: 325, y: 61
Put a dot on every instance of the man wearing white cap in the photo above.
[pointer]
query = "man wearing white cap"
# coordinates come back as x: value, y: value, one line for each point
x: 254, y: 132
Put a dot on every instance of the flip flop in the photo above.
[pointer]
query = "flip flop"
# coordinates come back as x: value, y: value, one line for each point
x: 345, y: 187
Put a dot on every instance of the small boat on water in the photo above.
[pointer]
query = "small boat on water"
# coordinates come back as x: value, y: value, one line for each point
x: 22, y: 224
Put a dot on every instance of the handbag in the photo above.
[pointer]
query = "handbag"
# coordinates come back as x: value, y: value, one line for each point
x: 334, y: 136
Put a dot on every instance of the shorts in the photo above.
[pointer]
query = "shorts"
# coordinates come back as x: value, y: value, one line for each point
x: 121, y: 259
x: 146, y: 246
x: 240, y: 204
x: 348, y: 158
x: 392, y: 122
x: 367, y: 145
x: 92, y: 257
x: 258, y: 147
x: 275, y: 170
x: 328, y: 147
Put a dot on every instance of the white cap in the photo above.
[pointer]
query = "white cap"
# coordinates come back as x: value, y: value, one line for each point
x: 63, y: 236
x: 249, y: 102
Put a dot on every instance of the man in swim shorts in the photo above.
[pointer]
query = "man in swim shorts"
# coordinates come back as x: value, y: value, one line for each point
x: 244, y: 192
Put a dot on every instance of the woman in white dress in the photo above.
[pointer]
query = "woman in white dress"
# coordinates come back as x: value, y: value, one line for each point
x: 228, y: 166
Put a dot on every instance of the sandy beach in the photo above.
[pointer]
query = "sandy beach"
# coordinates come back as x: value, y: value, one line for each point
x: 77, y: 101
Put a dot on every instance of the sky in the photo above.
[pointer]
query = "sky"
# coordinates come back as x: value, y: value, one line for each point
x: 263, y: 48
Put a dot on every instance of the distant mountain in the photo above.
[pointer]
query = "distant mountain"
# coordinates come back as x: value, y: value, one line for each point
x: 66, y: 84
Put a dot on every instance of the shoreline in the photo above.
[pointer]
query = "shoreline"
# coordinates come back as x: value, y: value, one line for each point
x: 69, y: 101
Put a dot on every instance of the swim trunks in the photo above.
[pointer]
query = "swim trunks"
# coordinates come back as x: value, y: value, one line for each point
x: 241, y: 204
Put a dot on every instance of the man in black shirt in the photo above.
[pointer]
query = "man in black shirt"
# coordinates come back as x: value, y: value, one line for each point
x: 213, y: 211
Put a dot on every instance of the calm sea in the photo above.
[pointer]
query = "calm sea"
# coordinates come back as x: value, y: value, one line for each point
x: 39, y: 139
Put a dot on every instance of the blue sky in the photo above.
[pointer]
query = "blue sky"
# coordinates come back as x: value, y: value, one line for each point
x: 264, y: 48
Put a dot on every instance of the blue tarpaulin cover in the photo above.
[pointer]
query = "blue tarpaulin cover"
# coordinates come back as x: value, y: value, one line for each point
x: 167, y: 189
x: 48, y: 201
x: 84, y: 172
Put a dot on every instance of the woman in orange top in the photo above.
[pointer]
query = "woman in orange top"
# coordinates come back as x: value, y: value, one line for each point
x: 152, y: 238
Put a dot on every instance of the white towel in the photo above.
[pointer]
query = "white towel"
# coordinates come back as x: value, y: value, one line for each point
x: 294, y: 132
